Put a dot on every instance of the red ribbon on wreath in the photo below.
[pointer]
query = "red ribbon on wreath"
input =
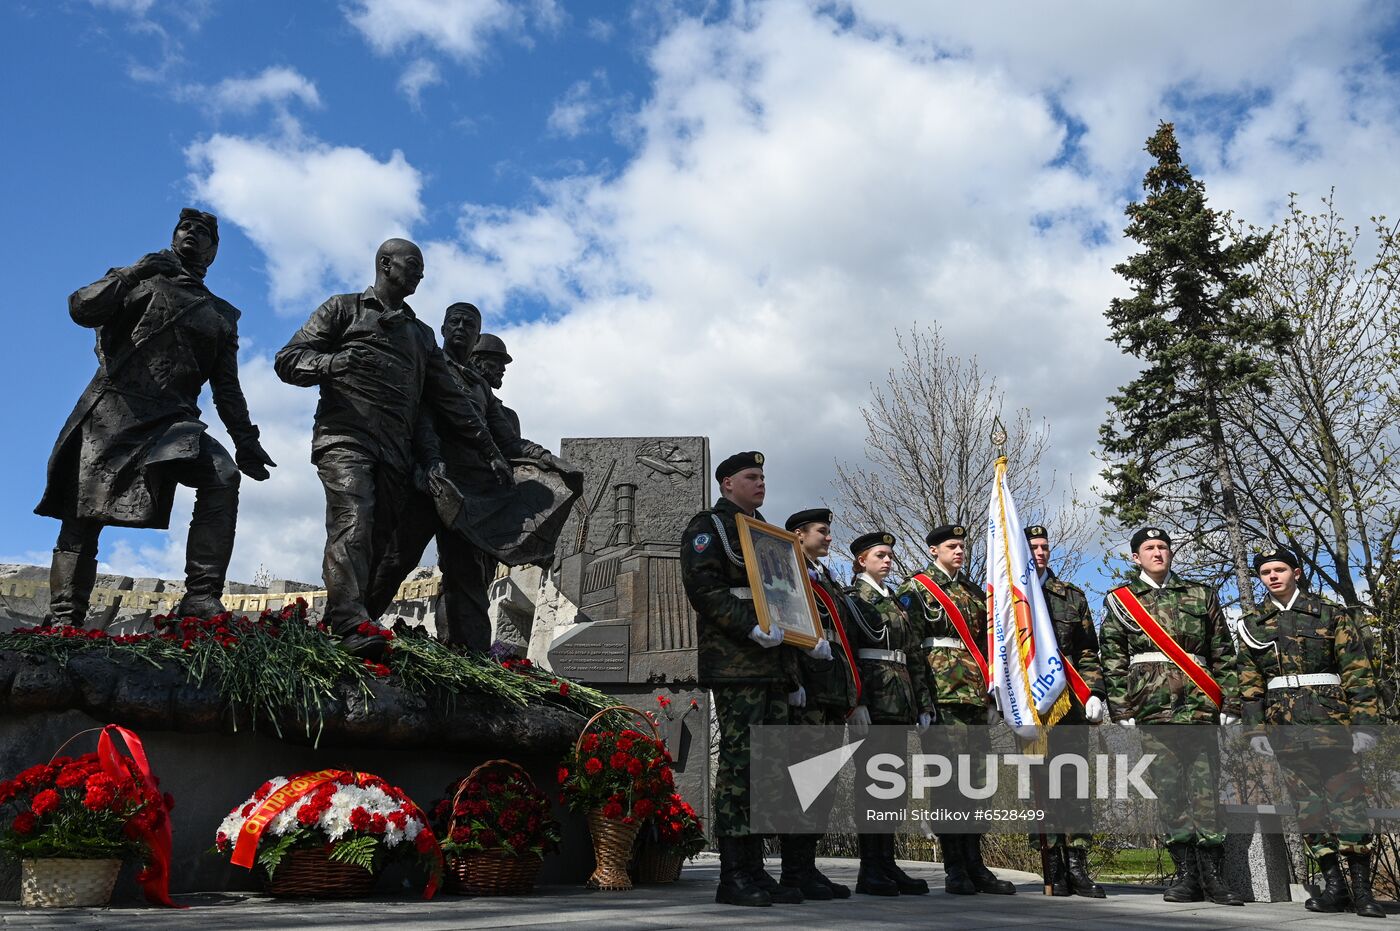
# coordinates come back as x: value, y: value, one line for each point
x: 155, y: 878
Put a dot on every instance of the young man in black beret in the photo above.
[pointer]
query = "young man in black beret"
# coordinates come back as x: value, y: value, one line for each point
x: 1168, y: 659
x: 1305, y: 661
x: 742, y: 666
x: 829, y: 690
x: 952, y: 611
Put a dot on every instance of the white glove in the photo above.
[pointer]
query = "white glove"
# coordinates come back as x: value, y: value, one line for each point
x: 925, y: 719
x: 1361, y: 742
x: 1128, y: 722
x: 1095, y: 710
x: 1228, y: 719
x: 860, y: 718
x: 766, y: 640
x: 821, y: 651
x: 798, y: 699
x: 1260, y: 745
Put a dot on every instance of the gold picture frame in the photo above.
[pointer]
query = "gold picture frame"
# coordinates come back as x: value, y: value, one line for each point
x: 782, y: 593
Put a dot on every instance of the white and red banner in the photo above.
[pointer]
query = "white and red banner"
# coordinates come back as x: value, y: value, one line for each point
x: 1028, y: 675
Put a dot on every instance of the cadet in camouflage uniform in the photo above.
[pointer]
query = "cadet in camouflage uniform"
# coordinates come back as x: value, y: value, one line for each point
x: 827, y: 695
x: 960, y: 689
x: 742, y: 666
x: 1304, y: 661
x: 894, y: 690
x: 1145, y: 687
x: 1079, y: 645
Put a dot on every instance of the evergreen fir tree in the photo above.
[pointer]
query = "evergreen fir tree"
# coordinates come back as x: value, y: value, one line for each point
x: 1164, y: 441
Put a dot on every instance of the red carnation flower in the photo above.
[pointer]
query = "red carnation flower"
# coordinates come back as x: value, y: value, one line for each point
x: 563, y: 774
x: 45, y: 802
x: 518, y: 841
x: 618, y: 760
x: 460, y: 833
x: 359, y: 819
x: 24, y: 823
x: 634, y: 767
x: 563, y: 690
x: 594, y: 766
x: 307, y: 815
x: 424, y: 842
x: 378, y: 824
x: 625, y: 743
x: 663, y: 701
x: 612, y: 810
x: 487, y: 838
x: 644, y: 807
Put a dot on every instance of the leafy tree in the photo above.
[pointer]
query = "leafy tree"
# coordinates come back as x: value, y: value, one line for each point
x: 1164, y: 440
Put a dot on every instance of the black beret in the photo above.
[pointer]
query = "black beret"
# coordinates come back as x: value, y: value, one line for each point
x: 866, y: 540
x: 738, y: 463
x: 1035, y: 531
x: 1279, y: 554
x: 809, y: 516
x: 947, y: 532
x: 207, y: 220
x: 1150, y: 533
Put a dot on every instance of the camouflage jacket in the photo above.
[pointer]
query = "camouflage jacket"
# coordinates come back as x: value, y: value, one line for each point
x: 711, y: 565
x: 830, y: 684
x: 894, y: 693
x: 1074, y: 629
x: 1159, y: 692
x: 1313, y: 636
x: 954, y: 678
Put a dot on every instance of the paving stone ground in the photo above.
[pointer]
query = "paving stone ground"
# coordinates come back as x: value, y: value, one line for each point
x: 689, y: 903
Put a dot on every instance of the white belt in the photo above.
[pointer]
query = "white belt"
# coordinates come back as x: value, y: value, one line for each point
x: 1312, y: 678
x: 745, y: 592
x: 888, y: 656
x: 1155, y: 657
x: 947, y: 643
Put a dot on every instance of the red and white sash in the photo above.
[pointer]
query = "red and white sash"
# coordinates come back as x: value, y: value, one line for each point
x: 959, y: 622
x: 1168, y: 646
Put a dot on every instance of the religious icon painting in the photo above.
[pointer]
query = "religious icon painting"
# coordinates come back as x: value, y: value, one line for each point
x: 782, y: 593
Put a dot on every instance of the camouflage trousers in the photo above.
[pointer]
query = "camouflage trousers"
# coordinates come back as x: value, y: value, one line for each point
x: 815, y: 716
x: 1328, y: 790
x: 1185, y: 776
x: 737, y: 708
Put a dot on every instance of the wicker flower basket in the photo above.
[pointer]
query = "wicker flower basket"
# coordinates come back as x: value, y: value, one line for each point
x: 612, y: 851
x: 310, y: 873
x: 657, y: 865
x: 64, y: 883
x: 492, y: 873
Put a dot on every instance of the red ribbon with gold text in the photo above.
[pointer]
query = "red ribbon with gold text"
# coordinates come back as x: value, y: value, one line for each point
x: 246, y: 848
x: 830, y: 606
x: 1164, y: 642
x: 155, y: 878
x: 959, y: 622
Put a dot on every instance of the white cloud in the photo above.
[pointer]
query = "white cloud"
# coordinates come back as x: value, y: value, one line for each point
x: 420, y: 74
x: 577, y: 108
x: 274, y: 85
x: 459, y: 28
x: 316, y: 211
x: 803, y: 186
x: 134, y: 7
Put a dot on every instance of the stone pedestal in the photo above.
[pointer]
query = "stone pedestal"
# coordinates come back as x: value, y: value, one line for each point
x: 1257, y: 865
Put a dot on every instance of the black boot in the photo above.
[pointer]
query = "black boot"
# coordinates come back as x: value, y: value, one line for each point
x: 1185, y: 884
x: 1364, y: 901
x: 800, y: 869
x: 907, y: 885
x: 1080, y: 882
x: 1333, y: 896
x: 1057, y: 874
x: 735, y: 886
x: 984, y: 879
x: 1209, y: 861
x: 208, y: 550
x: 955, y: 878
x: 873, y: 878
x: 71, y: 578
x: 753, y: 861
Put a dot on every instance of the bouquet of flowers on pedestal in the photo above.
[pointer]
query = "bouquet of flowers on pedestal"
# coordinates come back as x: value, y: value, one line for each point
x: 328, y: 833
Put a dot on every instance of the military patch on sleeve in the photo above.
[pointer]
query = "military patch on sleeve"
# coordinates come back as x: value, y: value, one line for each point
x: 701, y: 542
x: 906, y: 601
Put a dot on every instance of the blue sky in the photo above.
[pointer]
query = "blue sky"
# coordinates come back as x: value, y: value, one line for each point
x: 685, y: 218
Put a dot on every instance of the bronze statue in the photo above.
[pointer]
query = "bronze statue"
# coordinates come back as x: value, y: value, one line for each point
x: 376, y: 364
x: 135, y: 433
x: 494, y: 517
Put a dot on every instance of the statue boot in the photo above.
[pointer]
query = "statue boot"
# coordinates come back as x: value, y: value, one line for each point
x: 800, y: 868
x: 955, y: 880
x: 1362, y: 898
x: 208, y: 550
x: 984, y: 879
x: 1185, y: 884
x: 753, y: 862
x: 1333, y: 896
x: 1077, y: 873
x: 1210, y: 861
x: 735, y: 886
x: 71, y: 578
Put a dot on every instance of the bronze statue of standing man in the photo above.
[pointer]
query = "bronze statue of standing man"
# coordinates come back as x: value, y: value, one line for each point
x: 135, y: 433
